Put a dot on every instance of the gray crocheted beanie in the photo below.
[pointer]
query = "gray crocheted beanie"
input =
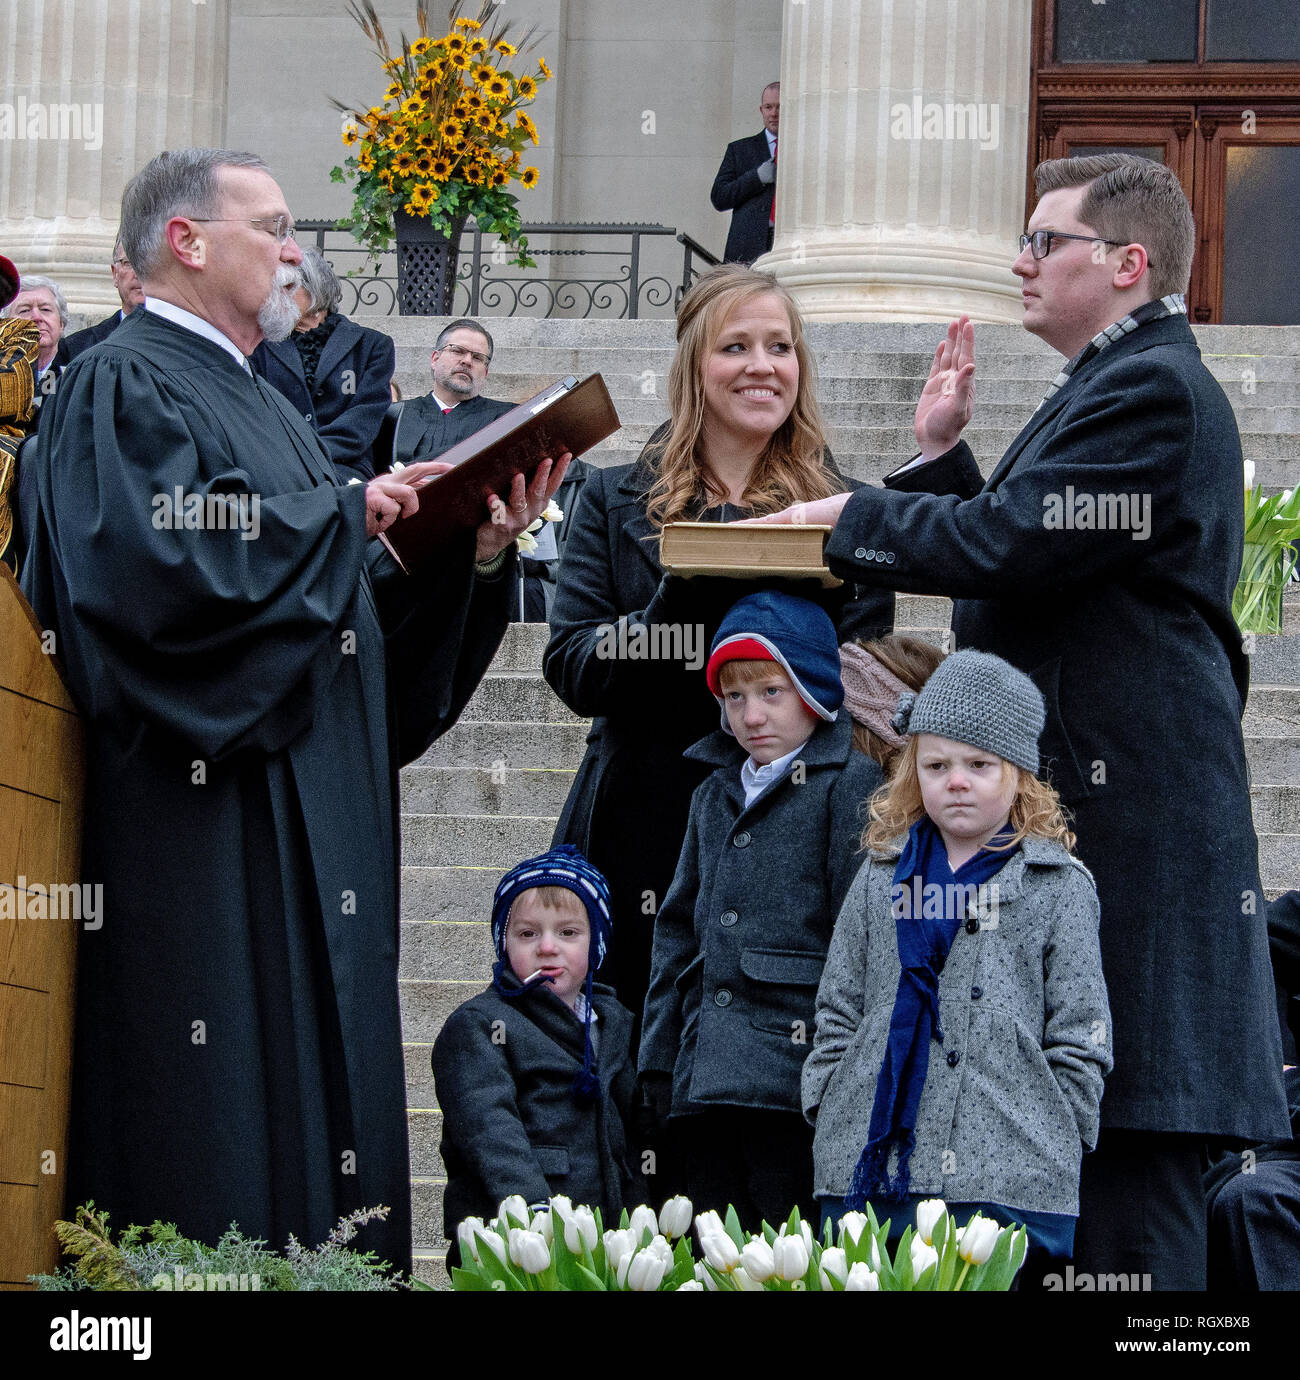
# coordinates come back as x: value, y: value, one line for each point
x: 977, y: 698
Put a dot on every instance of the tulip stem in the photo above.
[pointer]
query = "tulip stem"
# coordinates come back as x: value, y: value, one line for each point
x: 965, y: 1270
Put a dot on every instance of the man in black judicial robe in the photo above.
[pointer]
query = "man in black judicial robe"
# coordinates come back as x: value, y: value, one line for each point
x: 248, y: 697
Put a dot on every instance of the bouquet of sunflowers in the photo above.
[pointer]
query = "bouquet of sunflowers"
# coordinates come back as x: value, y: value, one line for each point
x: 448, y: 138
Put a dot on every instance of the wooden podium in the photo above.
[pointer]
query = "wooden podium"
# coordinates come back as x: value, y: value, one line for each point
x: 41, y: 781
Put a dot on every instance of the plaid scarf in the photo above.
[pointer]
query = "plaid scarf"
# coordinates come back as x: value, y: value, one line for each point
x: 1173, y: 305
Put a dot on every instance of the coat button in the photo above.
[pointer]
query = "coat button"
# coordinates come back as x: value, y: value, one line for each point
x: 722, y: 997
x: 889, y: 558
x: 728, y: 917
x: 870, y: 556
x: 307, y: 417
x: 976, y: 993
x: 741, y: 840
x: 880, y: 558
x: 861, y: 554
x: 972, y: 926
x: 953, y: 1059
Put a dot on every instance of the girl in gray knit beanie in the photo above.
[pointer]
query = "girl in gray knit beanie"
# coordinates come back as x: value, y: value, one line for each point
x: 963, y: 1030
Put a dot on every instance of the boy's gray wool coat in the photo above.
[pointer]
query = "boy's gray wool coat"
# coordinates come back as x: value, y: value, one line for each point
x: 741, y: 938
x: 510, y: 1124
x: 1013, y: 1093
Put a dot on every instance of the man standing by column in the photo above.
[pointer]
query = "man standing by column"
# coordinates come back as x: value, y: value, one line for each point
x: 746, y: 185
x: 1100, y: 558
x: 252, y: 671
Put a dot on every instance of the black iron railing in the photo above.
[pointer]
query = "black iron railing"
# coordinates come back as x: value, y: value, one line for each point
x: 583, y: 270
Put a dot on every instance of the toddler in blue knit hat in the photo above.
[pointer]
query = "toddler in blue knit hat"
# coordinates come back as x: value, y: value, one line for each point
x: 535, y: 1076
x: 741, y: 938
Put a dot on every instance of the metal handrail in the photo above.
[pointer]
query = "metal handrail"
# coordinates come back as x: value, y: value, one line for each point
x: 486, y: 290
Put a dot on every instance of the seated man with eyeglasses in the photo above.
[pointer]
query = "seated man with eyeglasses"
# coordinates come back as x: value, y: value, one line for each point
x: 423, y: 428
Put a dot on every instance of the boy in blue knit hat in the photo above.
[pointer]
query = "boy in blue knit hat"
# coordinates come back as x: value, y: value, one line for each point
x: 535, y: 1076
x: 741, y: 939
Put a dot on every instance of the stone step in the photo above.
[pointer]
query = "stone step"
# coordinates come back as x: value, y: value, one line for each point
x: 449, y: 893
x: 424, y: 1127
x: 444, y: 948
x: 513, y: 695
x: 426, y: 1213
x: 426, y: 1003
x: 913, y: 336
x: 1272, y: 759
x: 1276, y: 809
x: 482, y: 744
x: 1279, y: 860
x: 475, y: 791
x: 420, y: 1095
x: 473, y: 840
x: 1275, y: 660
x: 430, y: 1267
x: 1272, y: 709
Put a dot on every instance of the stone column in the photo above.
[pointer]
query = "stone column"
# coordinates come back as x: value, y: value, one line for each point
x: 904, y: 129
x: 91, y: 90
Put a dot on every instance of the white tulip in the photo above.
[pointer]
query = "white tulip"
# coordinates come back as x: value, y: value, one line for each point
x: 853, y: 1224
x: 758, y: 1259
x: 647, y: 1268
x: 553, y: 512
x: 675, y: 1217
x: 704, y: 1279
x: 692, y: 1286
x: 580, y: 1229
x: 526, y: 542
x: 514, y: 1208
x: 643, y: 1219
x: 861, y: 1280
x: 791, y: 1255
x: 708, y: 1223
x: 833, y: 1265
x: 542, y: 1225
x: 465, y: 1234
x: 562, y: 1205
x: 923, y: 1256
x: 805, y: 1231
x: 1249, y: 467
x: 928, y: 1214
x: 528, y: 1250
x: 494, y: 1241
x: 720, y: 1250
x: 978, y: 1238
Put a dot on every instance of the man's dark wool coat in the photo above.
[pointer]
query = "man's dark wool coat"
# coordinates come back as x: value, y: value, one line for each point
x: 423, y: 431
x: 246, y: 705
x: 1132, y: 642
x: 629, y: 803
x: 740, y: 944
x: 347, y: 404
x: 504, y: 1072
x: 70, y: 346
x: 739, y: 189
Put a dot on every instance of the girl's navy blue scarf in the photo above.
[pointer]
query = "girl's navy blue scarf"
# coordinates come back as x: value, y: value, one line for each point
x: 925, y: 934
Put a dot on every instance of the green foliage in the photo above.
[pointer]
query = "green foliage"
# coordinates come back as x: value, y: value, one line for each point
x: 144, y: 1257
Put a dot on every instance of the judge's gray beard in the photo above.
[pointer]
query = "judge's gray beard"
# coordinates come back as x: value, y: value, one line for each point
x: 278, y: 315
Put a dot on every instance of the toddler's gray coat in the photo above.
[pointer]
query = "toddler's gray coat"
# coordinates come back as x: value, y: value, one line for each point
x: 741, y: 938
x: 1013, y: 1093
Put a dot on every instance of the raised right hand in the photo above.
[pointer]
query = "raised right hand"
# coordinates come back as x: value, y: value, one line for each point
x: 948, y: 398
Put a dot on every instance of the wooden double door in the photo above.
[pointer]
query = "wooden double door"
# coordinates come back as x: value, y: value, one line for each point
x: 1240, y: 168
x: 1210, y: 88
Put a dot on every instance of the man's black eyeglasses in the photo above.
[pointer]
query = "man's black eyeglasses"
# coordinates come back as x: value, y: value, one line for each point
x: 1040, y: 241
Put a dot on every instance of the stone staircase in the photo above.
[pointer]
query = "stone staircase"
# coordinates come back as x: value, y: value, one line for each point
x: 488, y: 793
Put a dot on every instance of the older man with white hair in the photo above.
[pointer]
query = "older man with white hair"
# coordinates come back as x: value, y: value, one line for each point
x: 41, y: 300
x: 252, y: 670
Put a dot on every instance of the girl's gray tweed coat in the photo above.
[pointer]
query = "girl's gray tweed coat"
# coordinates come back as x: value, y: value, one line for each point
x: 1012, y: 1095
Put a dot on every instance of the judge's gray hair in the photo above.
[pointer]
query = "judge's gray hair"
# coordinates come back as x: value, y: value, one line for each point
x: 178, y: 182
x: 31, y: 281
x: 318, y: 278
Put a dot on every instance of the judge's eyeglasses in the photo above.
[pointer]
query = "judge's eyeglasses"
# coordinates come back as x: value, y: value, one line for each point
x: 282, y: 227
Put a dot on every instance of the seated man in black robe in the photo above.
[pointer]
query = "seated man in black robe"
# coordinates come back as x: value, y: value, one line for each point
x: 252, y: 670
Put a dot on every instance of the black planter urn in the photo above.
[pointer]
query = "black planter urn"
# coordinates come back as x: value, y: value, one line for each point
x: 426, y: 265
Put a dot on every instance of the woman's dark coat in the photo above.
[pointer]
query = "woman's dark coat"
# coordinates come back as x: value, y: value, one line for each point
x: 628, y: 807
x: 351, y: 394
